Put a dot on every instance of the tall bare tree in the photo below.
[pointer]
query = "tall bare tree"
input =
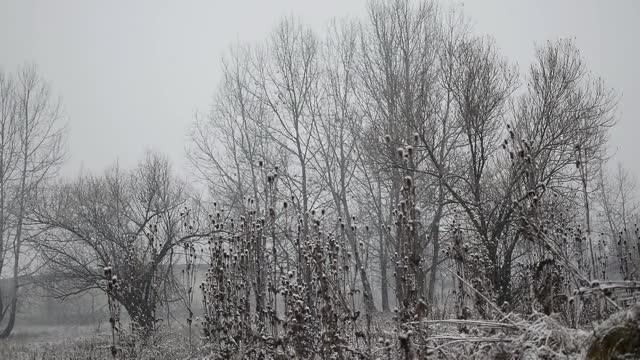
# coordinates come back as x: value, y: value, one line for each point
x: 286, y: 77
x: 337, y: 137
x: 397, y: 72
x: 31, y: 150
x: 564, y: 118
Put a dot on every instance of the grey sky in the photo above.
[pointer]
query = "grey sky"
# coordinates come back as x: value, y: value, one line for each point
x: 131, y: 74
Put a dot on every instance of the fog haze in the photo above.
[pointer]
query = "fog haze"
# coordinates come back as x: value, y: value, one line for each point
x: 131, y: 75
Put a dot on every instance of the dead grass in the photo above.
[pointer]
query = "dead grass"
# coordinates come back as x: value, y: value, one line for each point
x: 86, y: 343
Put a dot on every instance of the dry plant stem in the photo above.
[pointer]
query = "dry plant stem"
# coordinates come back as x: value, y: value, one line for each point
x: 489, y: 324
x: 495, y: 307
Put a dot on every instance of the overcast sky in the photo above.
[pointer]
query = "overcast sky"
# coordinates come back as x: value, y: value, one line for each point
x: 132, y: 74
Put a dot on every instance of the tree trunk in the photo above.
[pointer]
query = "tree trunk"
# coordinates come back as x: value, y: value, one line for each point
x: 382, y: 252
x: 142, y: 318
x: 435, y: 238
x: 351, y: 235
x: 383, y: 273
x: 12, y: 313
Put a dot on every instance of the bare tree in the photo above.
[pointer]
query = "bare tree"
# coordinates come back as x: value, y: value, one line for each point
x: 286, y: 80
x: 229, y: 144
x: 127, y: 221
x: 397, y: 72
x: 337, y: 131
x: 565, y: 116
x: 31, y: 150
x: 477, y: 85
x: 619, y: 209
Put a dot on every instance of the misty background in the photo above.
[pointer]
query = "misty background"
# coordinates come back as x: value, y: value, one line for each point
x: 132, y: 75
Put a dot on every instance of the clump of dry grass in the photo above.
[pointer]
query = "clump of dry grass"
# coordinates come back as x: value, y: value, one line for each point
x: 618, y: 337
